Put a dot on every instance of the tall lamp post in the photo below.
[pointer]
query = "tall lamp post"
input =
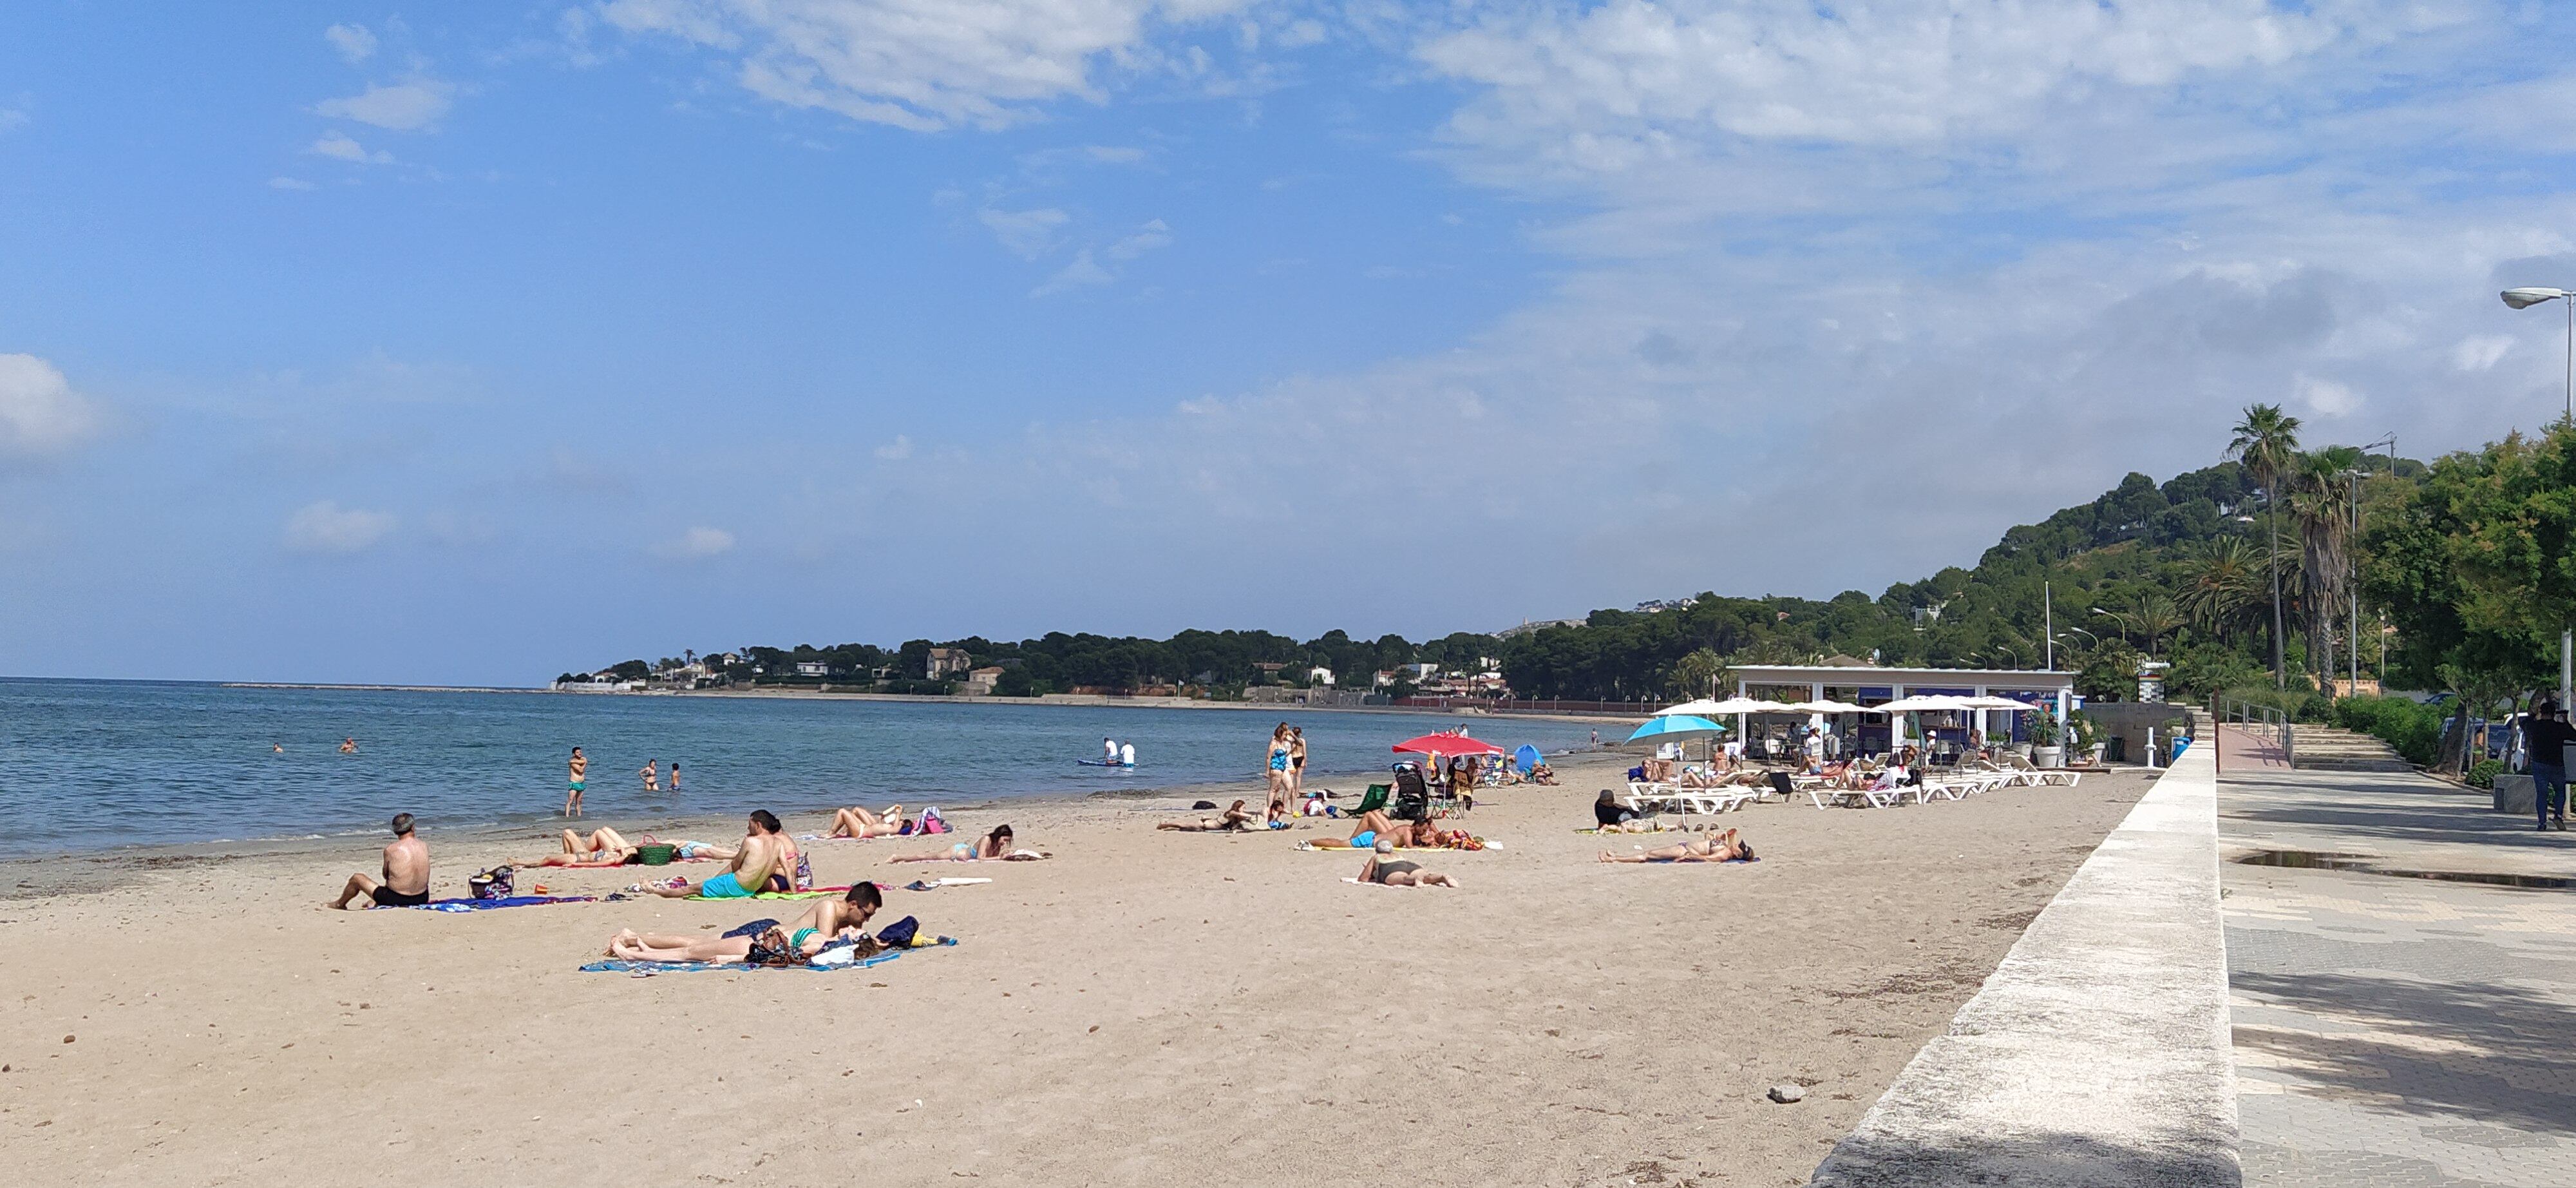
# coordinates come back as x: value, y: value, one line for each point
x: 2525, y: 299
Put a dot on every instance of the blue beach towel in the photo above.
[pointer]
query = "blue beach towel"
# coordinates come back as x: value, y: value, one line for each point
x: 660, y: 967
x: 485, y: 905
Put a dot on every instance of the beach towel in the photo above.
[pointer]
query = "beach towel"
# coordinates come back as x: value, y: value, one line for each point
x: 663, y: 967
x: 485, y: 905
x: 604, y: 865
x: 1345, y: 850
x: 809, y: 893
x: 930, y: 885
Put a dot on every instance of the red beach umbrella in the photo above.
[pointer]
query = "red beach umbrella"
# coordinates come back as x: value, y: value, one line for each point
x: 1446, y: 742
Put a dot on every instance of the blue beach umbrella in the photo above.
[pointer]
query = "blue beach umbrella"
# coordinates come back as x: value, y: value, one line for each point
x: 1676, y: 725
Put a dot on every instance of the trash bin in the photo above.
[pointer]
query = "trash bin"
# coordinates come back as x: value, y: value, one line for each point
x: 2117, y: 751
x: 2181, y: 743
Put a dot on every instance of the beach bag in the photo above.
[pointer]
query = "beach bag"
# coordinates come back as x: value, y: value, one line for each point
x: 491, y: 884
x: 900, y: 933
x: 658, y: 854
x: 804, y: 873
x: 932, y: 822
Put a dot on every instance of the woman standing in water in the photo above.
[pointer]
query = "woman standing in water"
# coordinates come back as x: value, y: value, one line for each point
x: 1296, y: 761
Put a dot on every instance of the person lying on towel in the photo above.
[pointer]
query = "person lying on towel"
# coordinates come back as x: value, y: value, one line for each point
x: 761, y: 942
x: 1235, y: 819
x: 1392, y: 872
x: 1712, y: 847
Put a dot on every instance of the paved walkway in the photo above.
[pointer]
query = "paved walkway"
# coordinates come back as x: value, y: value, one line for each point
x: 2392, y: 1030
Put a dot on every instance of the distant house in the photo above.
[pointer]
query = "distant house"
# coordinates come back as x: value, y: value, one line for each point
x: 1381, y: 678
x: 979, y: 683
x: 813, y: 668
x: 1418, y: 673
x: 947, y: 662
x: 1320, y: 675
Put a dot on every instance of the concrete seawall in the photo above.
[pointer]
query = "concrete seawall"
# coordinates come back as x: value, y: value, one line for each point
x: 2097, y: 1054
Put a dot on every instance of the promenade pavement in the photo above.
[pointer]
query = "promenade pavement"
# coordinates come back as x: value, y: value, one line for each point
x: 2394, y: 1030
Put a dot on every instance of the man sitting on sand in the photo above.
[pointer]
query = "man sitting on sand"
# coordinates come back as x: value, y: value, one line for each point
x: 1393, y: 873
x: 857, y: 821
x: 1713, y: 847
x: 760, y: 942
x: 406, y: 881
x: 1235, y: 820
x: 746, y: 873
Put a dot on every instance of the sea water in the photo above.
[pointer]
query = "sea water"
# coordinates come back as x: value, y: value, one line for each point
x: 86, y: 765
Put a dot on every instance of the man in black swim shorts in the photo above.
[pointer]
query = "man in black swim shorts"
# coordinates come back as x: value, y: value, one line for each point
x: 406, y: 867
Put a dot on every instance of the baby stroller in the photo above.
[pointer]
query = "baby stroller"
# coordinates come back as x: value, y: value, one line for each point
x: 1412, y: 796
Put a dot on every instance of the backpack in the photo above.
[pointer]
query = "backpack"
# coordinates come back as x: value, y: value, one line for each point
x: 491, y: 884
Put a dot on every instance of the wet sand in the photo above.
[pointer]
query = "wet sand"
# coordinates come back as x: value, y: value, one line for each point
x: 1147, y: 1007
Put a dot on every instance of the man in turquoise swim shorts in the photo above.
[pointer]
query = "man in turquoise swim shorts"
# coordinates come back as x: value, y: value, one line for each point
x: 749, y: 870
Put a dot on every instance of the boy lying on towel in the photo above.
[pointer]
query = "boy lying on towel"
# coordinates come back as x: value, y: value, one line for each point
x: 762, y: 942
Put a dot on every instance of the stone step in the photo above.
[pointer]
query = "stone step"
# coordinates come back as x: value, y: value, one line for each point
x: 2329, y: 748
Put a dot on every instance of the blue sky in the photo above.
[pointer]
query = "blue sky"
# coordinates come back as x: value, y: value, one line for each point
x: 481, y: 341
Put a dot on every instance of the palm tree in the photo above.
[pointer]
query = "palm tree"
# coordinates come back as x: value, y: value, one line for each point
x: 2320, y: 500
x: 2221, y: 583
x: 2267, y: 442
x: 2156, y: 617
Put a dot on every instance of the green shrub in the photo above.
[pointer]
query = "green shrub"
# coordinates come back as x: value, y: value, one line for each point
x: 2414, y: 729
x: 2483, y: 775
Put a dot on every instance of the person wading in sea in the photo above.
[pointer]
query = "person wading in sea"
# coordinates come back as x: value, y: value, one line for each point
x: 580, y: 769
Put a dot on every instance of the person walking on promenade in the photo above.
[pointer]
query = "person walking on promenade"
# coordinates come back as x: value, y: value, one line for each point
x: 2545, y: 736
x: 579, y: 772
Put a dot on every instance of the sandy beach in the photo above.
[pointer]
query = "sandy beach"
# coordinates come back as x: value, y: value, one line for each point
x: 1147, y: 1007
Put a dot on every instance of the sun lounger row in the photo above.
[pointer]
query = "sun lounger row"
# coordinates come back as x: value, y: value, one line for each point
x: 1958, y: 783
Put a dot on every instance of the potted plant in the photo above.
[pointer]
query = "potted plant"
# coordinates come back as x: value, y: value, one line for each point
x: 2089, y: 742
x: 2045, y: 751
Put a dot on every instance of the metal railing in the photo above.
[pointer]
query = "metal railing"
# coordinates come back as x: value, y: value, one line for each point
x: 2259, y: 721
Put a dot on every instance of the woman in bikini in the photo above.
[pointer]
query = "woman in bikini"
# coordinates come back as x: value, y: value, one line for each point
x: 996, y: 845
x: 1714, y: 847
x: 1296, y: 761
x: 1235, y: 819
x: 603, y: 846
x: 1393, y: 873
x: 857, y: 821
x: 760, y: 942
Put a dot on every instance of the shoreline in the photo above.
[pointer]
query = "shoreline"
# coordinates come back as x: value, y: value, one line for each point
x: 1079, y: 700
x: 1347, y: 787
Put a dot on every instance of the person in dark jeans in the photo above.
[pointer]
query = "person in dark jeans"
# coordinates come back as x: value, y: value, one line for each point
x: 2543, y: 737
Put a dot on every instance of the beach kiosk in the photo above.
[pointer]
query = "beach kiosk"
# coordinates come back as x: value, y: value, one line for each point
x: 1870, y: 685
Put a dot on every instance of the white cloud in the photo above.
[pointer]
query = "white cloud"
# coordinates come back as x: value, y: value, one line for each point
x: 326, y: 527
x: 2480, y: 352
x: 2326, y: 398
x: 897, y: 450
x: 40, y: 415
x: 696, y: 543
x: 11, y: 117
x: 401, y: 107
x: 354, y: 42
x: 1152, y: 235
x: 1081, y: 272
x: 1027, y: 234
x: 919, y: 64
x: 340, y: 146
x: 289, y: 183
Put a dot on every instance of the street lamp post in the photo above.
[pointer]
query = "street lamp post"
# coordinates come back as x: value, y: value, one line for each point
x: 2525, y: 299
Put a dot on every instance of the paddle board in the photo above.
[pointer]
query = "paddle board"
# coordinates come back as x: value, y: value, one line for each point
x: 1100, y: 763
